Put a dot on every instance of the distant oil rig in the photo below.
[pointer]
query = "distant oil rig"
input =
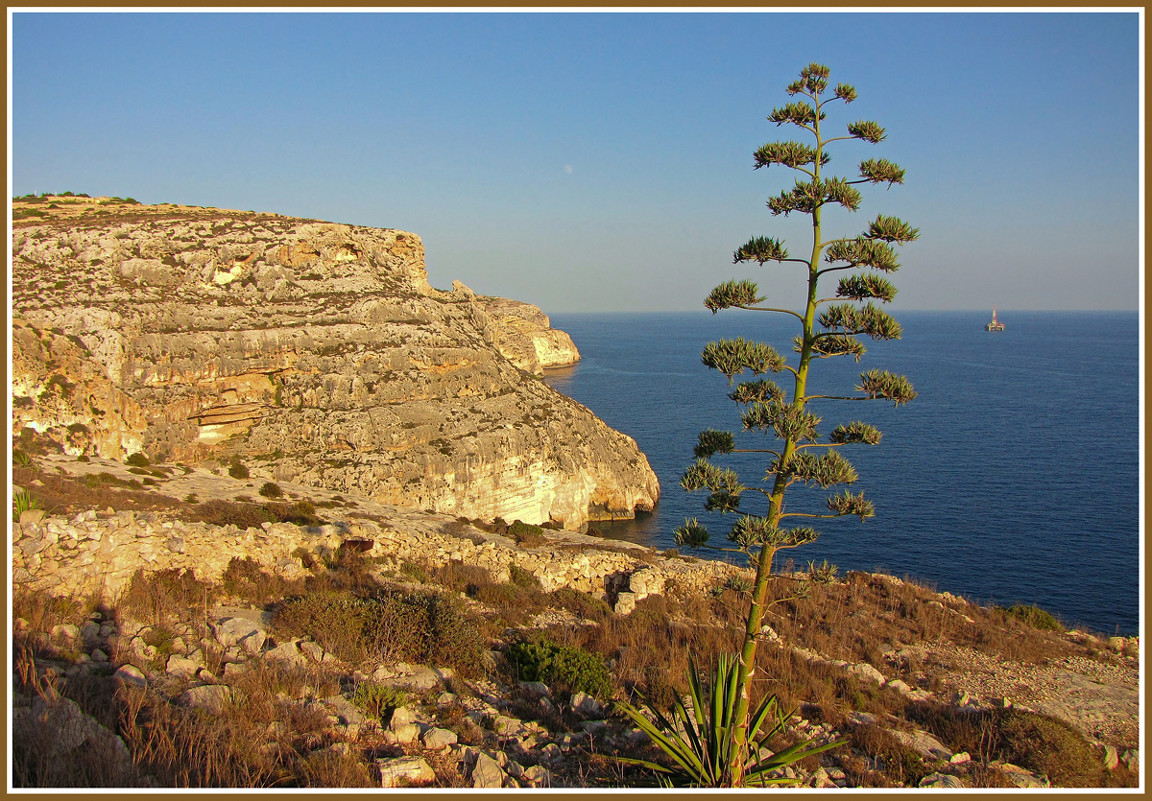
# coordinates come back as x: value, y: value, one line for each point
x: 995, y: 325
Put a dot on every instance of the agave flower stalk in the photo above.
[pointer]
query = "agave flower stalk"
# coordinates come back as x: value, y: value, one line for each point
x: 829, y: 327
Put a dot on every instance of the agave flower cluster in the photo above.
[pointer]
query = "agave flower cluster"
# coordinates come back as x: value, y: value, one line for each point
x: 829, y: 327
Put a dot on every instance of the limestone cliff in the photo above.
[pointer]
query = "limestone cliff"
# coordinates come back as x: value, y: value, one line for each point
x: 316, y: 350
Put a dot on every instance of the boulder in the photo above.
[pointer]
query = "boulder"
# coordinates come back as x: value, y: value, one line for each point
x: 435, y: 738
x: 923, y: 744
x: 586, y: 706
x: 405, y: 771
x: 211, y: 697
x: 486, y: 772
x: 130, y: 674
x: 944, y: 780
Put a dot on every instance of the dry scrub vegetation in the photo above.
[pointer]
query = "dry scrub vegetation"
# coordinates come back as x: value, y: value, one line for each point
x: 274, y: 733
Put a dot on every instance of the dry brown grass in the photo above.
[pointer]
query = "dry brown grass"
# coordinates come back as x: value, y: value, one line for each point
x: 65, y: 495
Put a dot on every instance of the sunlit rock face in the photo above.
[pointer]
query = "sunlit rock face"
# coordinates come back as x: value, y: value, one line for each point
x: 316, y: 350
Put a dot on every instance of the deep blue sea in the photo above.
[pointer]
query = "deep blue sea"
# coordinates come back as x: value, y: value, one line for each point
x: 1013, y: 477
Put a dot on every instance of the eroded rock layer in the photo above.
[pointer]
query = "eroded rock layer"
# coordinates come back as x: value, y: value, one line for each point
x: 316, y: 350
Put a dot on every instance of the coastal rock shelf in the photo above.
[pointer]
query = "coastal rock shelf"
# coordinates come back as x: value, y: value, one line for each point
x: 316, y: 350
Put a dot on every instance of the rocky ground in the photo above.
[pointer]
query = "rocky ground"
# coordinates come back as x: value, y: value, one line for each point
x: 907, y: 705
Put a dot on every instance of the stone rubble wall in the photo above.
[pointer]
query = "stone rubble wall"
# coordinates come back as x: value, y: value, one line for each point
x: 99, y: 552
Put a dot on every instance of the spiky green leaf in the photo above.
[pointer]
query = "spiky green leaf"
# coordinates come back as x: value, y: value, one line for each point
x: 844, y: 318
x: 798, y: 113
x: 826, y: 470
x: 789, y: 421
x: 760, y: 391
x: 863, y: 252
x: 848, y: 504
x: 837, y: 190
x: 828, y: 345
x: 790, y: 154
x: 693, y: 534
x: 753, y: 531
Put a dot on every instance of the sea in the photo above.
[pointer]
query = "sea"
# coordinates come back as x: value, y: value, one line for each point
x: 1013, y: 477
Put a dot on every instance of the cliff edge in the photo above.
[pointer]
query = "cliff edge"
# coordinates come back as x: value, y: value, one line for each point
x: 316, y: 351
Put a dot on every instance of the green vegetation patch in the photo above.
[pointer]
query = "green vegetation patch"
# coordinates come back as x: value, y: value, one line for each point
x: 1033, y: 616
x: 561, y: 666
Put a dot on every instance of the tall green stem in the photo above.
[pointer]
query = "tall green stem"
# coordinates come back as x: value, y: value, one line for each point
x: 747, y: 664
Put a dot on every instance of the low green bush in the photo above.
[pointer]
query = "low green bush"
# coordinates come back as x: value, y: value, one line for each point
x: 270, y: 490
x: 526, y: 535
x: 236, y: 469
x: 378, y: 699
x: 335, y: 619
x: 523, y: 578
x: 415, y: 571
x: 1033, y: 616
x: 562, y: 667
x: 137, y: 460
x: 424, y: 628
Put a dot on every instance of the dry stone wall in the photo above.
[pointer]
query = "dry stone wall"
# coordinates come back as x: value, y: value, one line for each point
x: 96, y: 553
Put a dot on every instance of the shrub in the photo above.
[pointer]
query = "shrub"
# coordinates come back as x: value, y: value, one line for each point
x: 270, y: 490
x: 571, y: 669
x: 1033, y: 616
x: 390, y: 623
x: 137, y: 460
x: 236, y: 469
x: 165, y: 594
x: 242, y: 515
x: 301, y: 513
x: 1048, y: 746
x: 523, y: 578
x: 333, y: 618
x: 526, y: 534
x: 424, y: 628
x: 457, y: 576
x: 378, y: 699
x: 414, y: 570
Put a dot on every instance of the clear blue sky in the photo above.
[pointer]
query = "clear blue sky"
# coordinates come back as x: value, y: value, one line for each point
x: 603, y: 161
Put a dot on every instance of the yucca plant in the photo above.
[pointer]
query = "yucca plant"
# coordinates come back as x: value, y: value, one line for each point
x: 700, y: 737
x: 22, y: 501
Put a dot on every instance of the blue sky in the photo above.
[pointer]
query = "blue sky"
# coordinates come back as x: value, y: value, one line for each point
x: 603, y: 161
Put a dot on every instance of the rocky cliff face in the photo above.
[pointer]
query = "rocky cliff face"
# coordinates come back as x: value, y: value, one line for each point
x: 315, y: 350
